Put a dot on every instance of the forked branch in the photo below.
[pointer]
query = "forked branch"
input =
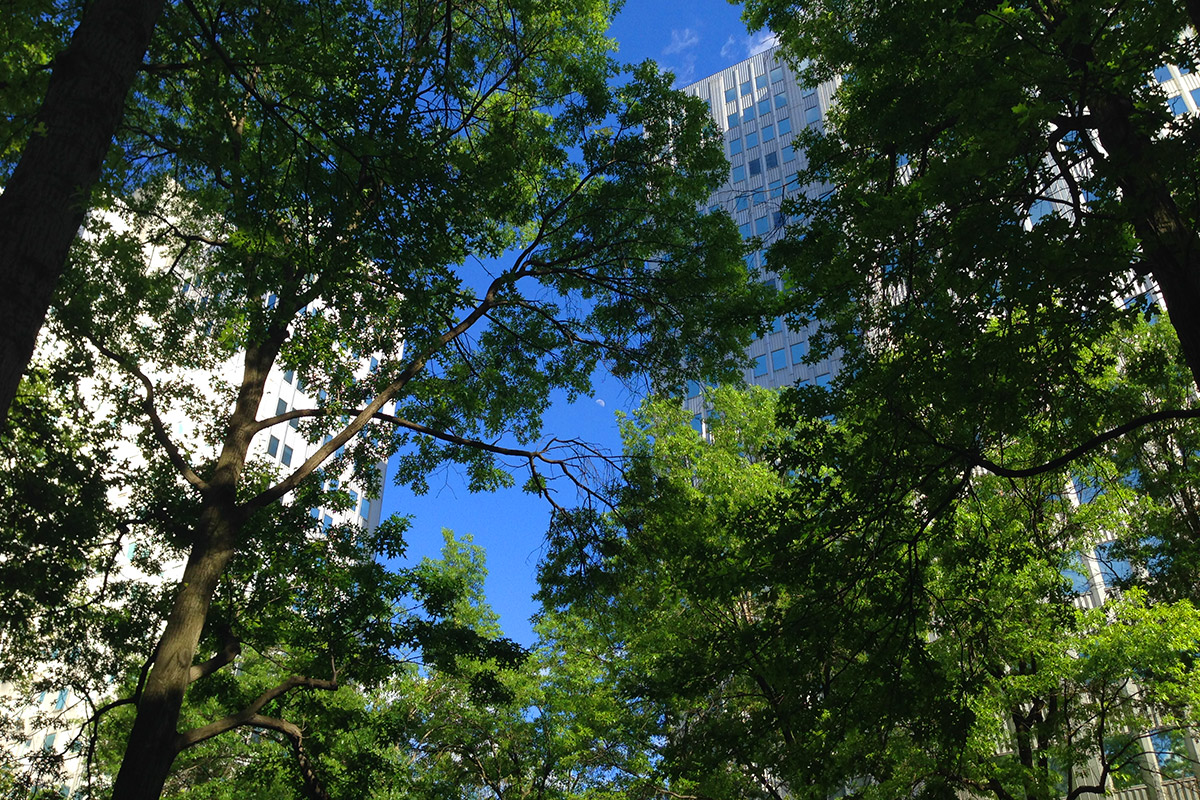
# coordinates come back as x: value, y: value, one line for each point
x: 244, y: 717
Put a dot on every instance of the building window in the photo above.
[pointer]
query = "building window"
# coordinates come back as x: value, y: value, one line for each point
x: 287, y: 456
x: 746, y: 87
x: 1162, y: 74
x: 742, y: 202
x: 713, y: 209
x: 777, y: 219
x: 768, y: 133
x: 733, y: 120
x: 693, y: 389
x: 776, y: 187
x: 273, y: 446
x: 760, y: 366
x: 750, y: 262
x: 1196, y: 97
x: 761, y: 225
x: 366, y: 508
x: 272, y: 300
x: 823, y: 380
x: 789, y: 155
x: 799, y: 351
x: 812, y: 115
x: 760, y: 81
x: 735, y: 147
x: 781, y: 100
x: 280, y: 407
x: 288, y: 375
x: 739, y: 173
x: 778, y: 359
x: 784, y: 125
x: 755, y: 165
x: 748, y: 114
x: 808, y: 91
x: 730, y: 94
x: 760, y: 196
x: 1177, y: 105
x: 698, y: 424
x: 776, y: 74
x: 60, y: 702
x: 772, y: 160
x: 751, y: 139
x: 745, y: 230
x: 764, y: 106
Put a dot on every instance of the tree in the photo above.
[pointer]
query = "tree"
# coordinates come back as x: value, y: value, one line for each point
x: 46, y: 195
x: 311, y: 181
x: 875, y: 605
x: 803, y: 638
x: 548, y: 726
x: 1000, y: 172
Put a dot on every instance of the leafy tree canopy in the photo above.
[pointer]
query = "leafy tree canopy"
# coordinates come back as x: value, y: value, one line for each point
x: 801, y: 637
x: 1007, y: 183
x: 431, y: 217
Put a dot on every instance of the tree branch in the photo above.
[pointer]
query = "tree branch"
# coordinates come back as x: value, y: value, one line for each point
x: 313, y: 788
x: 148, y: 405
x: 244, y: 717
x: 1088, y: 446
x: 231, y: 648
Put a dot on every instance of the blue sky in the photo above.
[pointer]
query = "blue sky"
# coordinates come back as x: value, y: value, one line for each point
x: 693, y: 40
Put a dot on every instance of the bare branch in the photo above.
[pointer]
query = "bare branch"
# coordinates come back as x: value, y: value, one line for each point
x: 313, y: 788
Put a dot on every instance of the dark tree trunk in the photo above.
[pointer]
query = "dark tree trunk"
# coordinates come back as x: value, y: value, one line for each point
x: 46, y: 198
x: 1170, y: 246
x: 1169, y: 241
x: 154, y: 740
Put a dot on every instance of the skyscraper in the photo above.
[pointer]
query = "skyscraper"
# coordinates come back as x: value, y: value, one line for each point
x: 759, y: 105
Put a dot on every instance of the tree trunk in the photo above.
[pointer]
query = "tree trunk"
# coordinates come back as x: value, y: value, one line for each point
x: 1169, y: 242
x: 154, y: 740
x: 46, y: 198
x: 1170, y: 246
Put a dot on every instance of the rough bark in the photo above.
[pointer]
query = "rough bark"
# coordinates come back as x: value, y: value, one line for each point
x: 47, y: 195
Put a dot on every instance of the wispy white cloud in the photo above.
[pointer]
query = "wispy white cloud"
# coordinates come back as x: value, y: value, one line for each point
x: 759, y: 42
x: 681, y: 40
x: 738, y: 48
x: 730, y: 49
x: 685, y: 73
